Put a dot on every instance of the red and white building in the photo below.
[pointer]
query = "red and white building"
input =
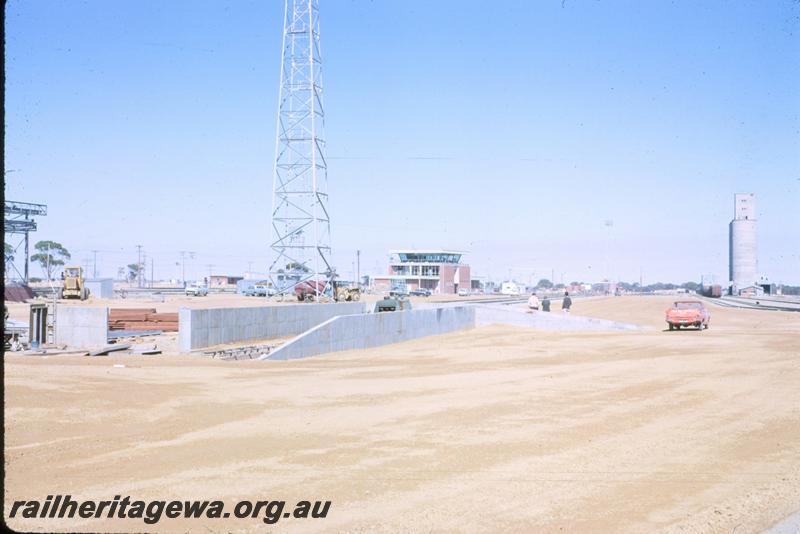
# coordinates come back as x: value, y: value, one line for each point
x: 441, y: 271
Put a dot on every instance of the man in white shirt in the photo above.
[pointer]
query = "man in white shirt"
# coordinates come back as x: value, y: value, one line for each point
x: 533, y: 302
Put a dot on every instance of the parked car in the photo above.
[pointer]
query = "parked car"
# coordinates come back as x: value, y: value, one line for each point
x: 420, y: 292
x: 463, y: 292
x: 509, y: 288
x: 250, y: 291
x: 398, y: 291
x: 196, y: 290
x: 688, y: 313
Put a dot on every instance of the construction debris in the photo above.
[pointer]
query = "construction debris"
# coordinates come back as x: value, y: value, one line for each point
x: 141, y: 319
x: 108, y: 348
x: 135, y: 349
x: 249, y: 352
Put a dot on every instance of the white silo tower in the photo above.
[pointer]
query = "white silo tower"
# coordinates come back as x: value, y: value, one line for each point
x: 743, y: 243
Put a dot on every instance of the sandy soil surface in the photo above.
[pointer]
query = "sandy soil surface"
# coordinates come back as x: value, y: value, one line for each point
x: 493, y: 429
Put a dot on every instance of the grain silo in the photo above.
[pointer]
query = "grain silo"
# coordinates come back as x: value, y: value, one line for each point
x: 743, y: 244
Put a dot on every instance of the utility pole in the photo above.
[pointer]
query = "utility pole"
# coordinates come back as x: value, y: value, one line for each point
x: 139, y: 266
x: 143, y: 279
x: 183, y: 267
x: 27, y: 254
x: 94, y: 270
x: 610, y: 225
x: 210, y: 266
x: 358, y: 268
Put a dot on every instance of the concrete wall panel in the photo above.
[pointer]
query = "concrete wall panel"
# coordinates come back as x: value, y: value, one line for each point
x: 81, y: 327
x: 374, y: 329
x: 204, y: 328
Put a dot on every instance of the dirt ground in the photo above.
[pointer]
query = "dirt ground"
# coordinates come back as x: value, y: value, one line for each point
x: 492, y: 429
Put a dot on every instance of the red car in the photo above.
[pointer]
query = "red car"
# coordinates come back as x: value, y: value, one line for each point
x: 688, y: 313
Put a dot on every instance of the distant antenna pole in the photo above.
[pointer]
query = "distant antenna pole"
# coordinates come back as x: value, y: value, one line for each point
x: 608, y: 224
x: 300, y: 222
x: 139, y: 266
x: 183, y: 267
x: 94, y: 269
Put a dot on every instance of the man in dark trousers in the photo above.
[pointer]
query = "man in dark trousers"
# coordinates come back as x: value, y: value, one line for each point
x: 546, y: 303
x: 566, y: 303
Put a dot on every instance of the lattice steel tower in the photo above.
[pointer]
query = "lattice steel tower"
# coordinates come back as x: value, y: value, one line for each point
x: 300, y: 222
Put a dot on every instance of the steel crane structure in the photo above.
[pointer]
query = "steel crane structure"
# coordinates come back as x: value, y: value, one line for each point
x: 300, y: 220
x: 18, y: 220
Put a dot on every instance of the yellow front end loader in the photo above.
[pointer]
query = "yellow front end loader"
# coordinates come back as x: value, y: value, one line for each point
x: 74, y: 285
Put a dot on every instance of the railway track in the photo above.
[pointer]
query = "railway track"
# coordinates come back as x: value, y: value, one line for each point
x: 755, y: 304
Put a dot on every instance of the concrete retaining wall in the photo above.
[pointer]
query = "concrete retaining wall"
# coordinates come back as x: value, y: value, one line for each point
x: 372, y: 330
x: 81, y: 327
x: 100, y: 288
x: 198, y: 329
x: 555, y: 321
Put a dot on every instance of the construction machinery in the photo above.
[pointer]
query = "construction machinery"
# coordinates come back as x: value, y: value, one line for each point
x: 307, y: 291
x: 346, y: 292
x: 392, y: 303
x: 74, y: 285
x: 340, y: 291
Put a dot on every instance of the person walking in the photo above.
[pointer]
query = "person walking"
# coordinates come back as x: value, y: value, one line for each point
x: 546, y: 303
x: 566, y: 303
x: 533, y: 302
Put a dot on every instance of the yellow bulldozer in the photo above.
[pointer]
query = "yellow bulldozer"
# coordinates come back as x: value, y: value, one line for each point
x: 74, y: 285
x: 343, y: 292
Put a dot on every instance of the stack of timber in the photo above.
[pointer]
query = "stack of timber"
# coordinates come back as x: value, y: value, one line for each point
x: 141, y: 319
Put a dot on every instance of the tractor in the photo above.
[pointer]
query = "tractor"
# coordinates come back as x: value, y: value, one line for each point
x: 345, y: 292
x: 74, y: 285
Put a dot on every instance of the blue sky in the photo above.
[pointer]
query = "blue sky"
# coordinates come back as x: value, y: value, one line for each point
x: 510, y: 130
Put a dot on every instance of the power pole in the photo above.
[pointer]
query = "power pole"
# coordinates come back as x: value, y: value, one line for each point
x: 358, y: 268
x: 210, y: 266
x: 300, y: 221
x: 94, y: 270
x: 183, y: 267
x: 139, y: 266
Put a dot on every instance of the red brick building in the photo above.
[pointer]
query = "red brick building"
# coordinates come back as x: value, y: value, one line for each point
x: 441, y: 271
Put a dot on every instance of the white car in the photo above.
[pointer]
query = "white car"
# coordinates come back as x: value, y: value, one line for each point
x: 463, y: 292
x: 196, y: 290
x: 509, y: 288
